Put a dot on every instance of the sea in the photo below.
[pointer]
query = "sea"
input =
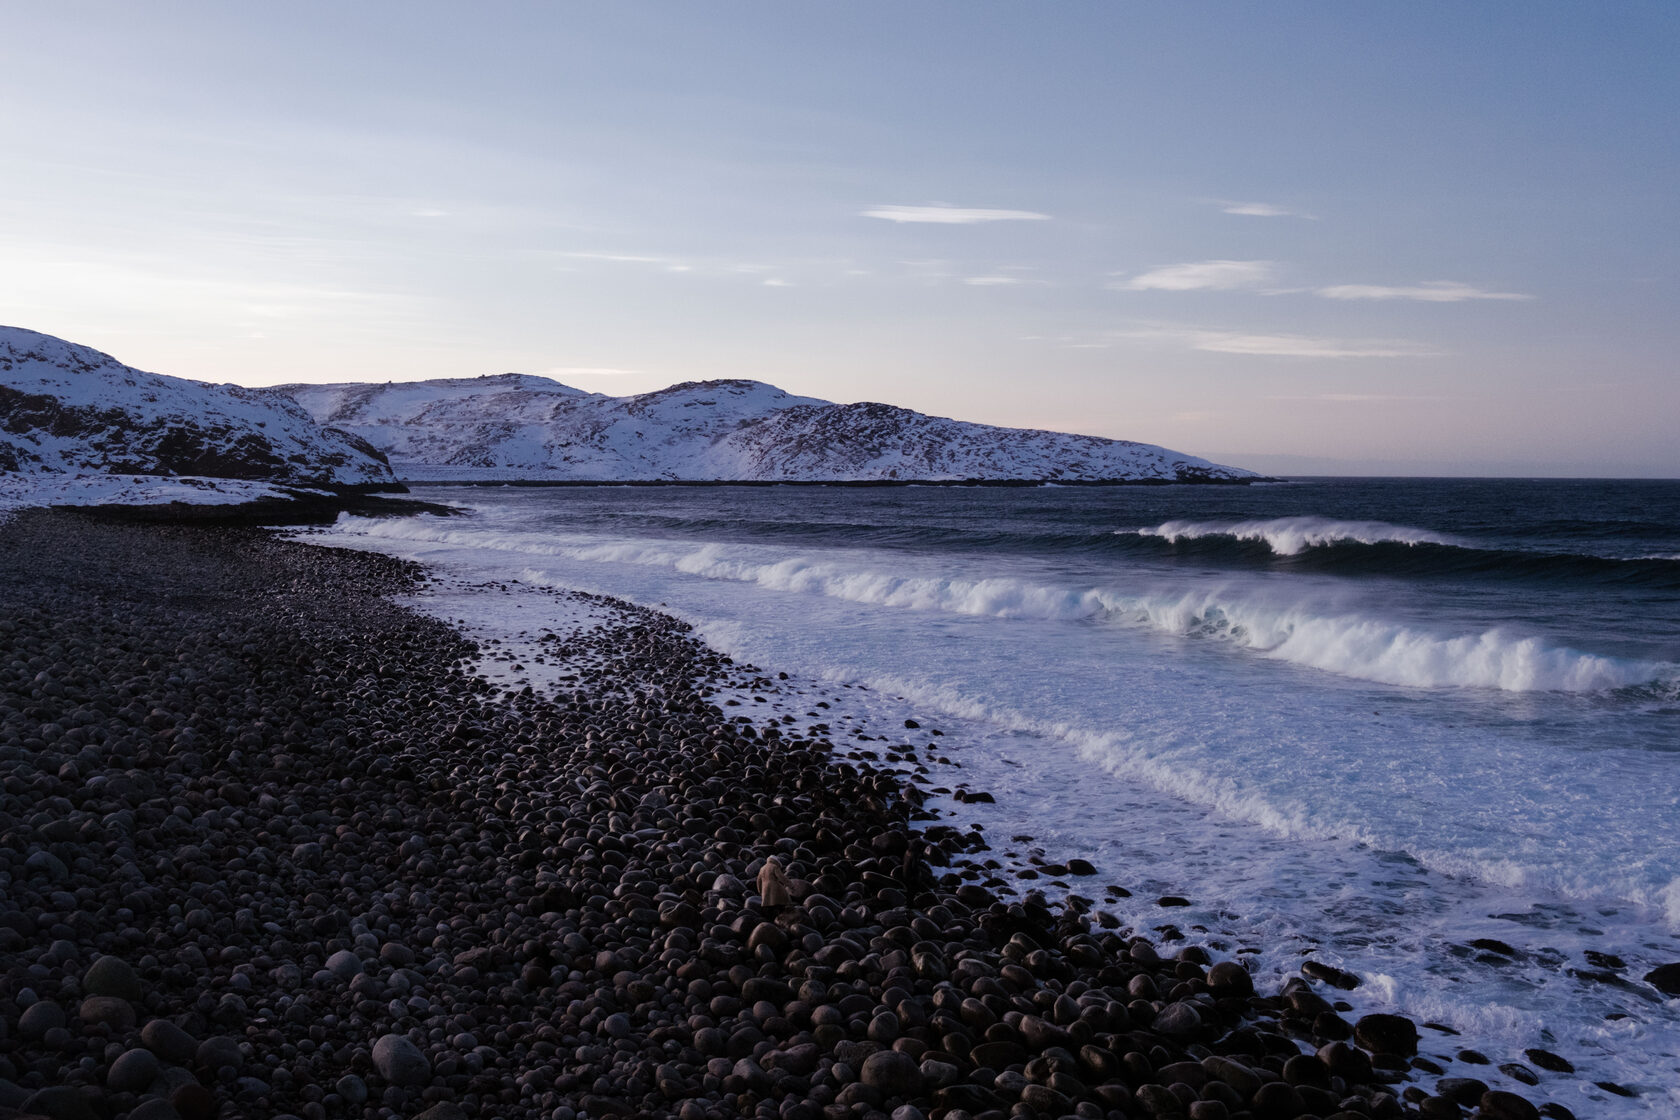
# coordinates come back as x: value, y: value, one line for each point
x: 1426, y: 731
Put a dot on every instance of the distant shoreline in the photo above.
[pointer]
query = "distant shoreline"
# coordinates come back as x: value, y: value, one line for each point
x: 871, y: 483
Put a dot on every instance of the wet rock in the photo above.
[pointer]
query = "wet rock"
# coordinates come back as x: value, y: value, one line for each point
x: 1386, y: 1034
x: 1547, y: 1060
x: 1330, y: 974
x: 1228, y: 978
x: 1345, y: 1062
x: 1178, y: 1020
x: 1440, y: 1108
x: 1465, y: 1090
x: 1499, y: 1105
x: 1277, y: 1100
x: 1665, y: 978
x: 1239, y: 1077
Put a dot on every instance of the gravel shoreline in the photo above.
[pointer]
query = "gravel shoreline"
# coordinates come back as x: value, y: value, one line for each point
x: 266, y: 849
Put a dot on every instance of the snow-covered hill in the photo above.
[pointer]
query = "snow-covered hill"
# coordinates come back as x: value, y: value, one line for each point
x: 74, y: 420
x: 514, y: 426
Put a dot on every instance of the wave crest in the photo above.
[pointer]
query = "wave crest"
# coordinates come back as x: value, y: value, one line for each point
x: 1290, y: 536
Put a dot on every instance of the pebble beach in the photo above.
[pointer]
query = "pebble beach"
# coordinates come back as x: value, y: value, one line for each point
x: 269, y: 847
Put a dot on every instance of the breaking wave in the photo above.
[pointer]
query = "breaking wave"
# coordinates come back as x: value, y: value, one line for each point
x: 1290, y: 536
x: 1351, y: 645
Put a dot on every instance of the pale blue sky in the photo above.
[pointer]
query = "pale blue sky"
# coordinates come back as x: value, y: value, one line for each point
x: 1392, y: 238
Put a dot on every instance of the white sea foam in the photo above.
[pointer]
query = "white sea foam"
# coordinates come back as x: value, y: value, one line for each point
x: 1394, y: 653
x: 1302, y: 633
x: 1290, y: 536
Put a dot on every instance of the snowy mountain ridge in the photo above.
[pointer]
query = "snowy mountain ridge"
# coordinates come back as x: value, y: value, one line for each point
x: 524, y: 427
x: 69, y: 412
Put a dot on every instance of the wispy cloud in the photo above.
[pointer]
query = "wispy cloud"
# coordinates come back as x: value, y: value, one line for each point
x: 1274, y: 345
x: 670, y: 264
x: 1353, y: 398
x: 1308, y: 346
x: 1430, y: 291
x: 992, y: 281
x: 767, y: 274
x: 950, y: 215
x: 1260, y: 210
x: 1204, y: 276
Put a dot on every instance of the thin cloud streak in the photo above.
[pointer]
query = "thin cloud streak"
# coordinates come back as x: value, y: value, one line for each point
x: 1354, y: 398
x: 950, y: 215
x: 1277, y: 345
x: 1430, y: 291
x: 1304, y: 346
x: 1261, y: 210
x: 1204, y: 276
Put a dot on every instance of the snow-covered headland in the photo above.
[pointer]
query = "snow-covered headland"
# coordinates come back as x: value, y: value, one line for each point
x: 77, y: 428
x: 520, y: 427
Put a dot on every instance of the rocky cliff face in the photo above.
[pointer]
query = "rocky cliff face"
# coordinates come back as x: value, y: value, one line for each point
x: 67, y: 409
x: 519, y: 427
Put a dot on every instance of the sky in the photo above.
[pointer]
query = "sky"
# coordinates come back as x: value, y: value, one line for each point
x: 1304, y: 238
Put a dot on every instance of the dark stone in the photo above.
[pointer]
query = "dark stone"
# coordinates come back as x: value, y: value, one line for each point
x: 1665, y: 978
x: 61, y: 1102
x: 1464, y: 1090
x: 1387, y: 1034
x: 1228, y: 978
x: 400, y: 1062
x: 168, y: 1042
x: 998, y: 1055
x: 133, y: 1071
x: 109, y: 976
x: 1499, y: 1105
x: 1516, y: 1071
x: 1547, y: 1060
x: 113, y: 1012
x: 39, y: 1018
x: 1330, y: 974
x: 892, y: 1073
x: 1277, y: 1100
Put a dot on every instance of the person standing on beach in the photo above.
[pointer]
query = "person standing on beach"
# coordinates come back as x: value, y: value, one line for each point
x: 774, y: 890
